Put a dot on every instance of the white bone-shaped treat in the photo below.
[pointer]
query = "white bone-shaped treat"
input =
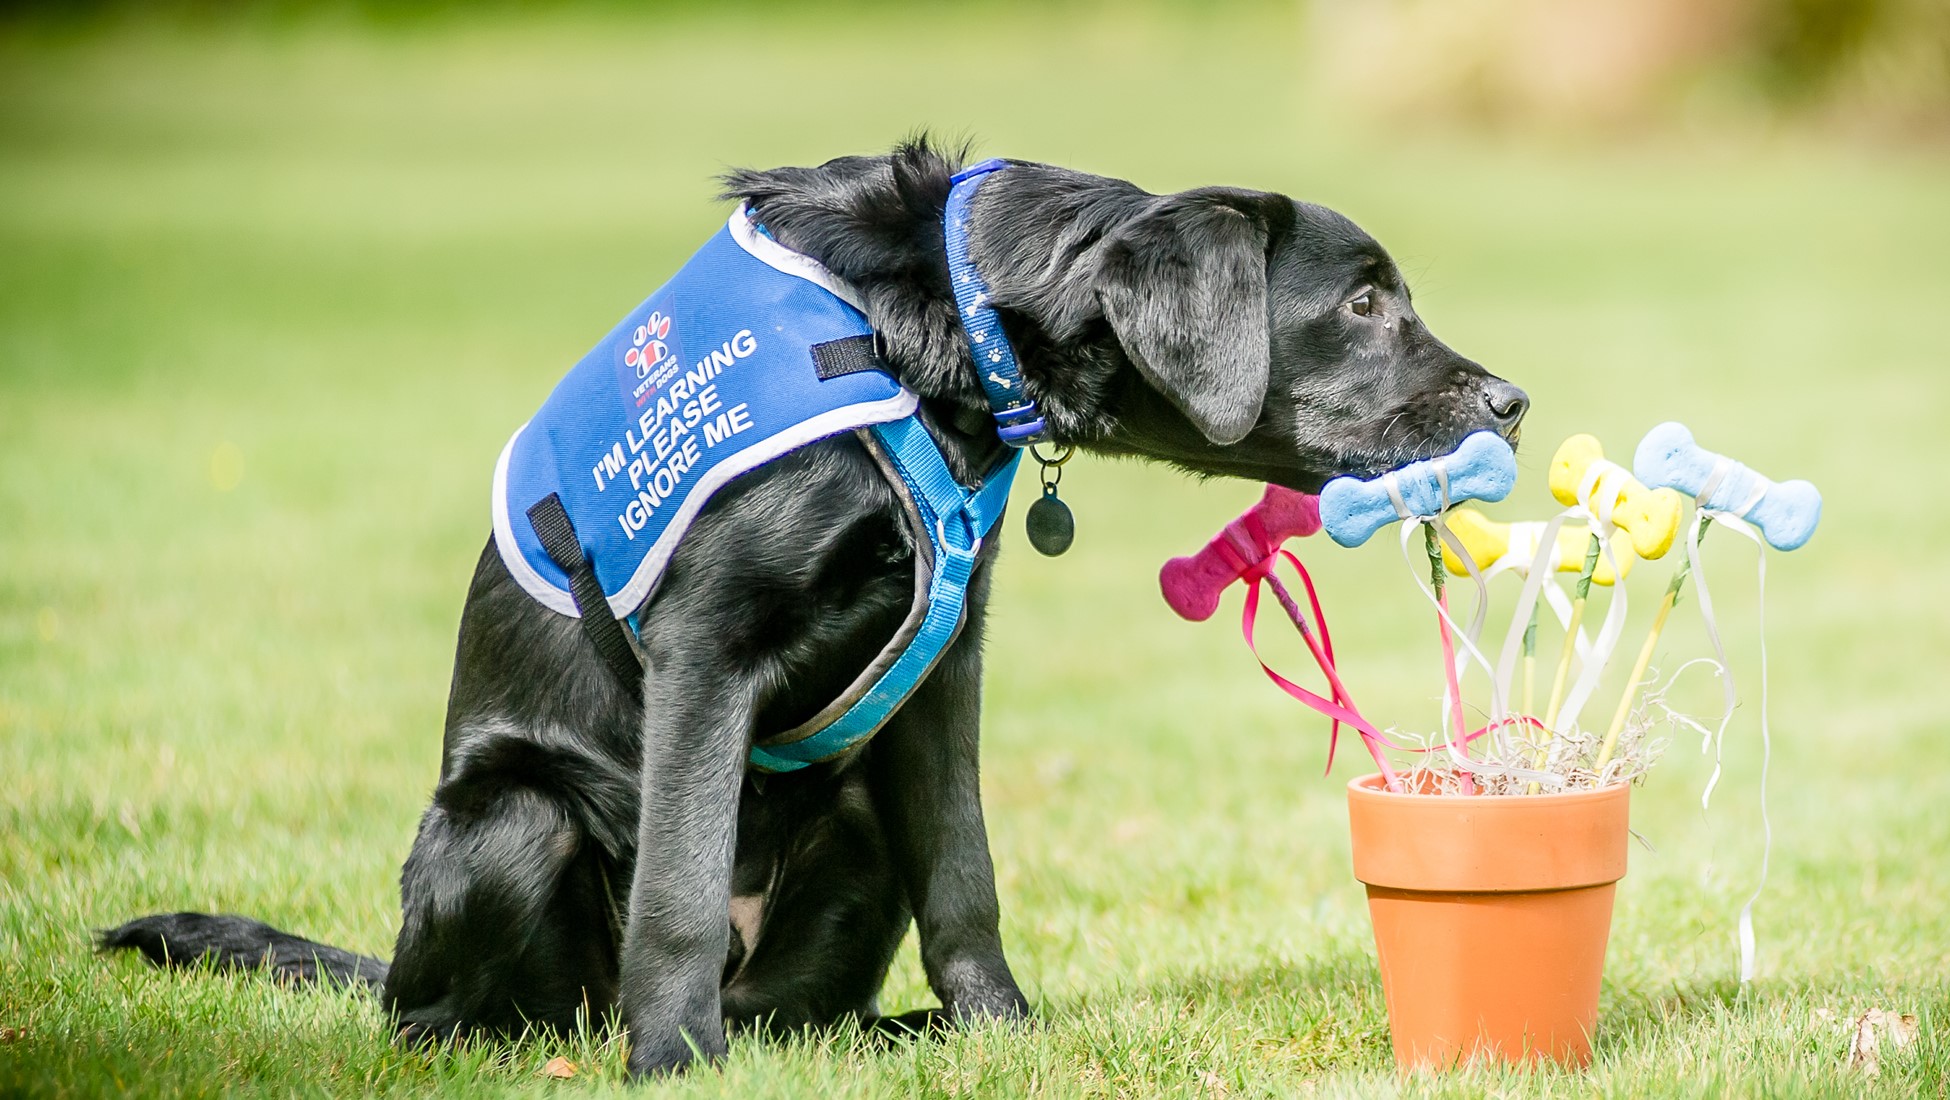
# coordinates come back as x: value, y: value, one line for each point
x: 1785, y: 512
x: 1482, y: 468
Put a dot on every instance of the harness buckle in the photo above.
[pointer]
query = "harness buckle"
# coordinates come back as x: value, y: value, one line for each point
x: 970, y: 542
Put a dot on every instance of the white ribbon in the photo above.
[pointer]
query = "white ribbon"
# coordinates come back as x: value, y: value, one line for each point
x: 1521, y: 557
x: 1598, y: 493
x: 1735, y: 521
x: 1542, y: 565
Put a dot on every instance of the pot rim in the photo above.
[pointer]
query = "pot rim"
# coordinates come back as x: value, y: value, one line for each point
x: 1485, y: 843
x: 1370, y: 786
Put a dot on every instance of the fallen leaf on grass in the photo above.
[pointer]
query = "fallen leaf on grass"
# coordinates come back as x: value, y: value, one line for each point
x: 1215, y: 1085
x: 559, y: 1068
x: 12, y: 1034
x: 1873, y: 1029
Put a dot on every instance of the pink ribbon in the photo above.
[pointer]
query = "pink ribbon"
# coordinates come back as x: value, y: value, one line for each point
x: 1340, y: 708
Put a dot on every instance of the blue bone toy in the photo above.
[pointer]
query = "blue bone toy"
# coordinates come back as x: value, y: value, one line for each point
x: 1785, y: 512
x: 1483, y: 468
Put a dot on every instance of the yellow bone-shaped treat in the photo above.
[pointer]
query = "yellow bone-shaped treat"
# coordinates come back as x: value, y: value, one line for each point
x: 1490, y: 542
x: 1649, y: 516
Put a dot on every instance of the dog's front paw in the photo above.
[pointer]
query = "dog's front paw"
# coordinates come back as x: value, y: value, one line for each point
x: 980, y: 996
x: 979, y: 987
x: 426, y: 1031
x: 1004, y: 1009
x: 648, y: 1063
x: 662, y: 1055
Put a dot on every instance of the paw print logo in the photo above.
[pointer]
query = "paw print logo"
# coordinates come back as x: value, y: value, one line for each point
x: 648, y: 350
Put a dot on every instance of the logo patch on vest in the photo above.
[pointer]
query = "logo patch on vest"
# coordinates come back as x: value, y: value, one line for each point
x: 663, y: 445
x: 649, y: 362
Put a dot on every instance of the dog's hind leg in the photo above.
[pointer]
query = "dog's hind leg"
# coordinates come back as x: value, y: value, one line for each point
x: 831, y: 918
x: 507, y: 915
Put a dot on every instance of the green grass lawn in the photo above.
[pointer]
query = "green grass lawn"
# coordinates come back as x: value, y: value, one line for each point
x: 271, y: 301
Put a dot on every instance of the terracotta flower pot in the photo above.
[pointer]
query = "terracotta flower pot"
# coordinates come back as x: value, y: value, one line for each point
x: 1490, y: 917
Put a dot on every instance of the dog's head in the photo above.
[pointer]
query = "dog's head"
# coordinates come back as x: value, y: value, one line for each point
x: 1226, y: 331
x: 1268, y: 339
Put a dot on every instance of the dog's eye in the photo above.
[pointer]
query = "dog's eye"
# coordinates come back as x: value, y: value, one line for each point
x: 1363, y: 306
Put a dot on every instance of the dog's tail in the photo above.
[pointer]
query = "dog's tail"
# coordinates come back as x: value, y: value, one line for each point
x: 239, y: 943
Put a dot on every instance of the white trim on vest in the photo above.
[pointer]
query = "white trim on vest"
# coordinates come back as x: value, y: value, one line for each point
x: 780, y: 258
x: 531, y: 582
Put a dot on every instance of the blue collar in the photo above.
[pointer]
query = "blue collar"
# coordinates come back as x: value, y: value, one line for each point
x: 1017, y: 419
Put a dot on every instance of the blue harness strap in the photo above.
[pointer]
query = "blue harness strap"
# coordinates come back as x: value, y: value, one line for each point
x: 957, y: 520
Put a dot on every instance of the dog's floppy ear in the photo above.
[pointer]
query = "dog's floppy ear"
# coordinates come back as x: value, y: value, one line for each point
x: 1183, y: 285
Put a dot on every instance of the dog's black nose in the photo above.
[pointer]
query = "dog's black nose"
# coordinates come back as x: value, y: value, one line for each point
x: 1507, y: 403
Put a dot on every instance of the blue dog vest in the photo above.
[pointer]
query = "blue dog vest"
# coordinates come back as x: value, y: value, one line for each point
x: 749, y: 352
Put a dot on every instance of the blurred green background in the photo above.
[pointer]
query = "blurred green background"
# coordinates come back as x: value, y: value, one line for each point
x: 276, y: 282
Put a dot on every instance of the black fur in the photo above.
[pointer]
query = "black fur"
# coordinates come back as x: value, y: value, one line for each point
x: 239, y: 943
x: 588, y: 849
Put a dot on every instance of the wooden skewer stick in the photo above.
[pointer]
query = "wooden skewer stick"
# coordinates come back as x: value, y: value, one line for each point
x: 1644, y: 662
x: 1579, y: 596
x: 1459, y: 736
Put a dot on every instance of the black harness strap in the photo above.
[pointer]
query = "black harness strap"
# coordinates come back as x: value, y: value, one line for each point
x: 847, y: 355
x: 558, y: 535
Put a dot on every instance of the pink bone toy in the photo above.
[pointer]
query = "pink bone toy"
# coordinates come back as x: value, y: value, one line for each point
x: 1192, y: 584
x: 1244, y: 547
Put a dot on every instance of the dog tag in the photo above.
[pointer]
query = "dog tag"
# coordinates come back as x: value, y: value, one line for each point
x: 1049, y: 523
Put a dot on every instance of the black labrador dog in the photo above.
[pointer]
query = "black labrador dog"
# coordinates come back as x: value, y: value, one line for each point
x: 591, y: 848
